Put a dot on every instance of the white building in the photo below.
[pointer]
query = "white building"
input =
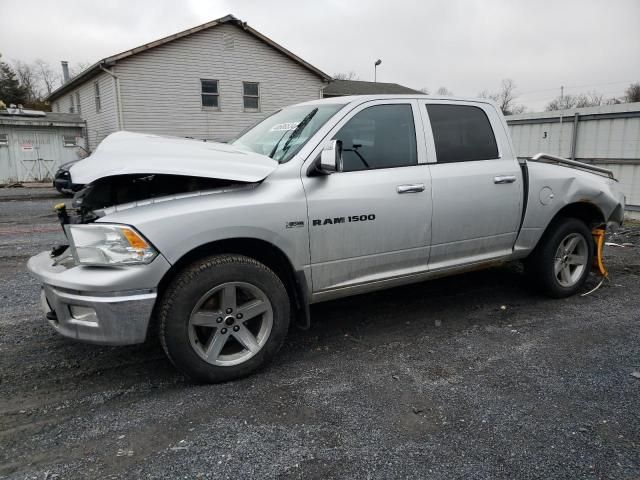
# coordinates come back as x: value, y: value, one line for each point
x: 34, y: 144
x: 608, y: 136
x: 209, y: 82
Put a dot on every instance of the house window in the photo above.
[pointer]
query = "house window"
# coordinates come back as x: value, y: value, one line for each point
x: 210, y: 95
x: 72, y: 107
x: 4, y: 139
x: 96, y: 94
x: 58, y: 107
x: 69, y: 141
x: 251, y: 96
x: 78, y: 103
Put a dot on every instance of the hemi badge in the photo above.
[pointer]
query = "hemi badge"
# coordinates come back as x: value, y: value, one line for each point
x: 295, y: 224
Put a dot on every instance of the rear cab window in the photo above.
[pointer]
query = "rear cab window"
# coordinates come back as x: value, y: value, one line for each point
x: 461, y: 133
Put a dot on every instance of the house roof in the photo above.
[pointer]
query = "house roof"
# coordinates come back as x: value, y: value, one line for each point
x: 228, y: 19
x: 359, y: 87
x: 53, y: 119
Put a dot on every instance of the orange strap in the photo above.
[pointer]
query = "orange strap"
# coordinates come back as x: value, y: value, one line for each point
x: 598, y: 263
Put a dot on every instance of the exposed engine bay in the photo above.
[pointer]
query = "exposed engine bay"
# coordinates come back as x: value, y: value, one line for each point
x: 123, y: 189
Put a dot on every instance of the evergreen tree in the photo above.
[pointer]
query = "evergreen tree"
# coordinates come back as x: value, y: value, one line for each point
x: 10, y: 89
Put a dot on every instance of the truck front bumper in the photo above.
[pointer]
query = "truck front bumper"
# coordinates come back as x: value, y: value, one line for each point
x: 103, y: 305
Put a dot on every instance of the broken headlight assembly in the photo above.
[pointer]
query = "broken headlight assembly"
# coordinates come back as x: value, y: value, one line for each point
x: 108, y: 244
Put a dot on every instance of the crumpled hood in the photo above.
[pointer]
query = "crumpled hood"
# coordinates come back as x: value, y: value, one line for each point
x: 125, y: 153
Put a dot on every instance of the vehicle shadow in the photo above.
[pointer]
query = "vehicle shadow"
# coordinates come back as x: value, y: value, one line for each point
x: 452, y: 302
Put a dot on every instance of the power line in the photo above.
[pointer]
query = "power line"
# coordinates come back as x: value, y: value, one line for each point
x: 578, y: 86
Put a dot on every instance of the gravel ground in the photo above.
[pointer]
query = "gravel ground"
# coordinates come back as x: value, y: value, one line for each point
x: 466, y: 377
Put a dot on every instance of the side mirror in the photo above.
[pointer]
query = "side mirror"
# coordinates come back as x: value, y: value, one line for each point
x: 331, y: 158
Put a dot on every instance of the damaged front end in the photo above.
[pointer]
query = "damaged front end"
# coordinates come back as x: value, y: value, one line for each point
x: 126, y: 191
x: 101, y: 286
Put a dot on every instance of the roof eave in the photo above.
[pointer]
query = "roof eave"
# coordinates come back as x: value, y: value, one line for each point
x: 286, y: 52
x: 81, y: 78
x: 110, y: 61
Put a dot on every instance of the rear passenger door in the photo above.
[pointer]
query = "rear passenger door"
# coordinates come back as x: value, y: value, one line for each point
x: 476, y: 184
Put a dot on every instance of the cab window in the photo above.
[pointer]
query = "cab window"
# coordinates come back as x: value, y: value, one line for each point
x: 381, y: 136
x: 461, y: 133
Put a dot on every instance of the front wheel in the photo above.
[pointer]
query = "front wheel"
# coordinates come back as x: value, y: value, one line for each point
x: 561, y: 262
x: 223, y: 317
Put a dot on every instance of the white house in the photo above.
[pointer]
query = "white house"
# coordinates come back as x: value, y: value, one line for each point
x: 209, y: 82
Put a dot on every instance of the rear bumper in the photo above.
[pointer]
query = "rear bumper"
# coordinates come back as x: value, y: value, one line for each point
x: 104, y: 305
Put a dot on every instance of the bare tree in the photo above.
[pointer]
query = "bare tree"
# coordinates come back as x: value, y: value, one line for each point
x: 561, y: 103
x: 28, y: 78
x: 580, y: 100
x: 444, y: 91
x: 78, y: 68
x: 589, y: 99
x: 632, y: 94
x: 346, y: 76
x: 49, y: 78
x: 505, y: 98
x: 425, y: 90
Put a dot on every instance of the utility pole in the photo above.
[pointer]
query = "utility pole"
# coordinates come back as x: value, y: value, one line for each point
x: 561, y: 108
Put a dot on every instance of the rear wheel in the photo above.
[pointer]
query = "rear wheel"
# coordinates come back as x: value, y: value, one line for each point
x: 561, y: 262
x: 223, y: 317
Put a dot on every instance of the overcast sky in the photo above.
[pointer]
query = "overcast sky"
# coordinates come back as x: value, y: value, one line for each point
x: 465, y: 45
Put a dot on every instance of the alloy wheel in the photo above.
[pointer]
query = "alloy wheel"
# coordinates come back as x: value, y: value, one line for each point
x: 230, y: 323
x: 570, y: 259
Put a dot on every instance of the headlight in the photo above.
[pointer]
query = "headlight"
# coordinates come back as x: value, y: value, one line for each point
x: 104, y: 244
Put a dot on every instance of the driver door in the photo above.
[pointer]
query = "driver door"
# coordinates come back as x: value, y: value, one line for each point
x: 371, y: 222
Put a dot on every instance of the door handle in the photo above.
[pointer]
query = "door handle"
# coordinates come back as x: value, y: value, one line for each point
x: 411, y: 188
x: 501, y: 179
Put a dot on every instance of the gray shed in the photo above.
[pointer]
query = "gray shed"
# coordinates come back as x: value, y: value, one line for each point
x: 33, y: 143
x: 608, y: 136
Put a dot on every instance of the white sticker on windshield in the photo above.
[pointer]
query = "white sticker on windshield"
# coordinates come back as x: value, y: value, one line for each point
x: 283, y: 127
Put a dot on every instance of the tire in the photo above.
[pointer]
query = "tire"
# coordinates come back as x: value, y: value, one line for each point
x: 223, y: 317
x: 561, y: 262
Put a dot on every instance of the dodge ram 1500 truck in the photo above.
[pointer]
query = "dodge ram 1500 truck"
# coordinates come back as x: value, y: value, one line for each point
x: 219, y: 247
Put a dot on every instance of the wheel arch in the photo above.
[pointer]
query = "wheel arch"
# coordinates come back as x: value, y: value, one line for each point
x: 264, y: 252
x: 586, y: 212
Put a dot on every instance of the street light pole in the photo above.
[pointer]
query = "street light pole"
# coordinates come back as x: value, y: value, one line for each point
x: 375, y: 70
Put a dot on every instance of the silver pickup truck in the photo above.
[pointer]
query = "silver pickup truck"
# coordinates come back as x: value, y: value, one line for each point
x: 220, y: 247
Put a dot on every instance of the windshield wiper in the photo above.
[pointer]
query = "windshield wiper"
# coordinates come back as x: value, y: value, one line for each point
x: 275, y: 147
x: 296, y: 131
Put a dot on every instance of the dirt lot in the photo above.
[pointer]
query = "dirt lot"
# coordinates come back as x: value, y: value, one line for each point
x: 467, y: 377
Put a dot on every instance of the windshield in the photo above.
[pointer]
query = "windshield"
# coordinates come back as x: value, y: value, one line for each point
x: 282, y: 134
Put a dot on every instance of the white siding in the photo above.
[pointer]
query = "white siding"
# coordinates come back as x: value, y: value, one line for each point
x: 99, y: 124
x: 160, y: 88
